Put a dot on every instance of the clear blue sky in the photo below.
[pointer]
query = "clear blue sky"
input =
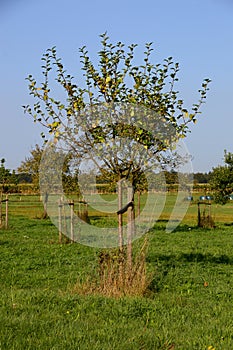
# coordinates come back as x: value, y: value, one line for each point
x: 196, y: 33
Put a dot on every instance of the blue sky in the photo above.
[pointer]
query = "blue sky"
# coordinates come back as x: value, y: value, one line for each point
x: 198, y: 34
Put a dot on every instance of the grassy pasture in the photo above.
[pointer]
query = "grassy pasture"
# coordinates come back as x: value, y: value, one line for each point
x: 189, y: 305
x: 31, y: 206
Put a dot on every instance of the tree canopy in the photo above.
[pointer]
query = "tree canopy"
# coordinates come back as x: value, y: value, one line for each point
x: 115, y: 80
x: 31, y: 164
x: 31, y: 167
x: 222, y: 179
x: 6, y: 176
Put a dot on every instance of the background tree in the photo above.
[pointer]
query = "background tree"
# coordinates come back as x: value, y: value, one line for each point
x: 31, y: 164
x: 30, y: 168
x: 5, y: 176
x: 221, y: 180
x: 201, y: 178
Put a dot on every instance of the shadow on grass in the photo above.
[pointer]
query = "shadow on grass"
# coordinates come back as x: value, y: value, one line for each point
x: 165, y: 263
x: 161, y: 225
x: 228, y: 224
x: 173, y: 260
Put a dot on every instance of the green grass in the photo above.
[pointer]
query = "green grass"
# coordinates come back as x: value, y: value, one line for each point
x: 189, y: 305
x: 31, y: 206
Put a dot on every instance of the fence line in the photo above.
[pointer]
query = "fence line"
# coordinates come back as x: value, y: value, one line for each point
x: 62, y: 217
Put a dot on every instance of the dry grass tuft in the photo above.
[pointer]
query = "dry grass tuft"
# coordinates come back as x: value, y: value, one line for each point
x: 115, y: 277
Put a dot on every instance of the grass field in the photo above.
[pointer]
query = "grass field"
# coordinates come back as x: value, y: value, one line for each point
x: 188, y: 306
x: 31, y: 206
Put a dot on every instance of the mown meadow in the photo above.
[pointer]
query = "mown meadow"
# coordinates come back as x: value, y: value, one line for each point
x: 188, y: 304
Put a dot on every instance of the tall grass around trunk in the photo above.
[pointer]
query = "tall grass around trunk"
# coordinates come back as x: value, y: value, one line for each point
x: 116, y: 277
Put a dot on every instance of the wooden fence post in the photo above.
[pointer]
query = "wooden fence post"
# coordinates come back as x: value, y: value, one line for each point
x: 6, y: 213
x: 139, y: 202
x: 198, y: 215
x: 0, y: 210
x: 72, y: 221
x: 120, y: 221
x: 130, y: 226
x: 64, y: 221
x: 60, y: 220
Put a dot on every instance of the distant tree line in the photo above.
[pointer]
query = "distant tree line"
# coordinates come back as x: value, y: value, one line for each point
x: 28, y: 173
x: 26, y: 178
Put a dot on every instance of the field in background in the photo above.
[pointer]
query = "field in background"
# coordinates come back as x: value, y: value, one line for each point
x: 32, y: 207
x: 188, y: 305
